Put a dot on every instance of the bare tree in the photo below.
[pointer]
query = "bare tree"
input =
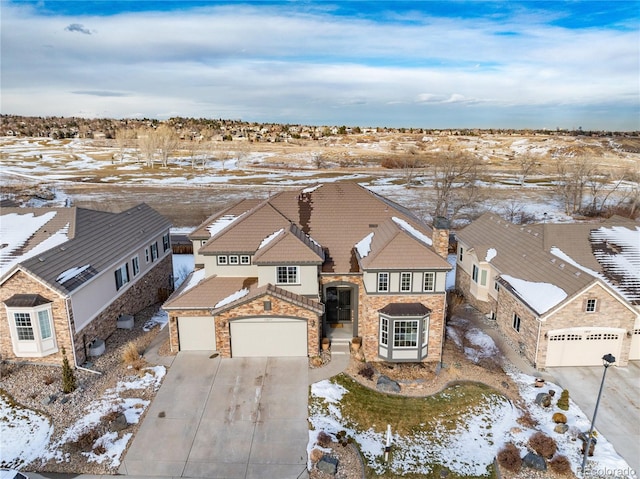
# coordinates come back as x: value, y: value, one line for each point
x: 167, y: 142
x: 242, y: 151
x: 573, y: 175
x: 411, y: 163
x: 455, y: 176
x: 318, y: 159
x: 124, y: 140
x: 147, y: 145
x: 528, y: 164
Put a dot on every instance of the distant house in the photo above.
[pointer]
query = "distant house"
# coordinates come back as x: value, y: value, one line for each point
x: 68, y: 274
x: 563, y: 294
x: 278, y: 275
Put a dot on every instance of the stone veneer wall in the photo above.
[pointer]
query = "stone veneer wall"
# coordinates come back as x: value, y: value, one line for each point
x: 370, y: 322
x: 143, y: 293
x: 463, y: 283
x: 22, y: 283
x: 440, y: 239
x: 345, y: 280
x: 611, y: 313
x: 526, y: 339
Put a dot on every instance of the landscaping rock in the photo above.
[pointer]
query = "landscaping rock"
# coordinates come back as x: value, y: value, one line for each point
x: 534, y: 461
x: 64, y: 399
x: 119, y: 423
x: 559, y: 418
x: 49, y: 399
x: 543, y: 399
x: 328, y: 465
x: 387, y: 385
x: 561, y: 428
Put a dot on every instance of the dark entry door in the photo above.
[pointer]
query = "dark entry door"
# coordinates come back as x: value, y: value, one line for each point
x: 338, y: 304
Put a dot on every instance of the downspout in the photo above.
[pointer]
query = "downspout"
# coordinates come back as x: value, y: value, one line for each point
x: 73, y: 344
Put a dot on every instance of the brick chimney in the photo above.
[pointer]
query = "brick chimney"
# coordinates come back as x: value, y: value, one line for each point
x: 440, y: 236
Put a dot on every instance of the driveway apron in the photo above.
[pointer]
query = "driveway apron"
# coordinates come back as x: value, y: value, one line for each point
x: 619, y: 410
x: 225, y: 418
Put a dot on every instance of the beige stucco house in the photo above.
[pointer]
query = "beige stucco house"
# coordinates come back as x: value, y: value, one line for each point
x: 276, y: 275
x: 68, y: 274
x: 562, y: 294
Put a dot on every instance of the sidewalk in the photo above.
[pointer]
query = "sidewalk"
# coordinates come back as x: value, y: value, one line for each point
x: 340, y: 357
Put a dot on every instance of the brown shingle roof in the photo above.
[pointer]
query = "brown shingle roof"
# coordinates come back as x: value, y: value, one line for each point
x: 290, y: 246
x: 202, y: 233
x: 405, y: 309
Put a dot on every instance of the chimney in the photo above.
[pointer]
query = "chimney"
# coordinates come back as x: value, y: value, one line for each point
x: 440, y: 236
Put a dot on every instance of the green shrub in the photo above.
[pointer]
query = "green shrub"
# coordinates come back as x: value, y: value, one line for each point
x: 68, y: 377
x: 563, y: 402
x: 509, y: 457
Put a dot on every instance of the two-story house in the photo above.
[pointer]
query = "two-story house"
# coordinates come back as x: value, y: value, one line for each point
x: 563, y: 294
x: 276, y: 275
x: 68, y: 274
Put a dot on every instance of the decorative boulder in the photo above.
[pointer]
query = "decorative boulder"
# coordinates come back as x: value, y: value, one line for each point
x: 328, y: 465
x: 543, y: 399
x: 559, y: 418
x: 534, y: 461
x: 561, y: 428
x: 119, y: 423
x: 387, y: 385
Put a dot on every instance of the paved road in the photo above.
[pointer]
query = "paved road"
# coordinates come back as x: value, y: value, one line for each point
x: 212, y: 418
x: 618, y: 416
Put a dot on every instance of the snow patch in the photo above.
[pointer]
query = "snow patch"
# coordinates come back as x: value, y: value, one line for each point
x: 221, y: 223
x: 270, y: 238
x: 491, y: 253
x: 364, y: 245
x: 232, y: 297
x: 412, y: 231
x: 540, y: 296
x: 71, y: 273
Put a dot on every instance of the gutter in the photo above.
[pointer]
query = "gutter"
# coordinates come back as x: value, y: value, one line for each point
x: 535, y: 359
x: 73, y: 344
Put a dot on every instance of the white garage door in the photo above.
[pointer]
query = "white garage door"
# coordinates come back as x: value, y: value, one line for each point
x: 254, y: 337
x: 582, y: 346
x: 197, y: 333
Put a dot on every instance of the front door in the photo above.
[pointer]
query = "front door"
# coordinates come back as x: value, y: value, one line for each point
x: 338, y: 304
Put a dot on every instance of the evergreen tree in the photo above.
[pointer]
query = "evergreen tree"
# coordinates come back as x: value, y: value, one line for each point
x: 68, y: 378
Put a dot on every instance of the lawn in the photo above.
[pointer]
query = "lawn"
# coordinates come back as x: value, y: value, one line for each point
x: 454, y: 429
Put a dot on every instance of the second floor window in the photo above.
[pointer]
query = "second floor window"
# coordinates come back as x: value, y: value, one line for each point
x: 154, y: 251
x: 429, y: 281
x: 474, y: 274
x: 405, y: 282
x: 383, y: 282
x: 287, y: 274
x: 135, y: 265
x: 591, y: 306
x: 166, y: 243
x: 122, y: 276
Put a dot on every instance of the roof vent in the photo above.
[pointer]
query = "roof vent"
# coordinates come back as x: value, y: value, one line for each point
x: 553, y: 260
x: 562, y: 265
x: 41, y: 259
x: 577, y: 273
x: 373, y: 225
x: 63, y: 248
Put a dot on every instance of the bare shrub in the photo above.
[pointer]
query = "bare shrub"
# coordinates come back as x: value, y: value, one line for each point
x: 509, y: 457
x: 455, y: 299
x: 99, y: 449
x: 6, y: 369
x: 86, y: 440
x: 48, y: 379
x: 316, y: 455
x: 527, y: 420
x: 109, y: 417
x: 130, y: 353
x: 542, y: 444
x: 324, y: 439
x: 367, y: 371
x: 560, y: 465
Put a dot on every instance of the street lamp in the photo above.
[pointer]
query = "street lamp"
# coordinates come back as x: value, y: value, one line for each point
x: 607, y: 360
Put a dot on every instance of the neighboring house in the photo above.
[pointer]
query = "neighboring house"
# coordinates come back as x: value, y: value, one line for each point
x: 563, y: 294
x: 67, y: 274
x: 276, y: 274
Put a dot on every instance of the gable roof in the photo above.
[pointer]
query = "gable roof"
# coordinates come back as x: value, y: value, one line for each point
x: 541, y: 277
x: 289, y: 245
x: 222, y: 219
x: 395, y: 245
x: 101, y: 239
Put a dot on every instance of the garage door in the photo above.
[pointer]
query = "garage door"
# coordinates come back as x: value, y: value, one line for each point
x: 582, y: 346
x: 254, y: 337
x: 197, y: 333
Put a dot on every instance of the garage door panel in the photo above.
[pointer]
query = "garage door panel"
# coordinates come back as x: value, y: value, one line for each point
x: 582, y: 346
x: 197, y: 333
x: 271, y: 337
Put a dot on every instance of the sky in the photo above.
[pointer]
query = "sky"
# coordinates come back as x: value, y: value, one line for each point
x: 421, y: 64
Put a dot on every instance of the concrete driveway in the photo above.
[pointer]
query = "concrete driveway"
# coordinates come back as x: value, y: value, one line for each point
x: 619, y: 411
x: 225, y: 418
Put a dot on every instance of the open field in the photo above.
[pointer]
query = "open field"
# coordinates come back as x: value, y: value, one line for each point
x: 91, y: 173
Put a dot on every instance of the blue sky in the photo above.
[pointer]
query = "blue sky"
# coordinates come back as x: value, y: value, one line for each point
x: 424, y: 64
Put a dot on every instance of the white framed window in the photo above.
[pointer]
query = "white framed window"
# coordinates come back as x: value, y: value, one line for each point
x: 496, y: 286
x: 429, y: 283
x: 233, y: 259
x: 591, y: 305
x: 166, y: 242
x: 147, y: 255
x: 474, y: 274
x: 24, y: 328
x: 135, y: 265
x: 405, y: 333
x: 287, y: 274
x: 460, y: 253
x: 44, y: 321
x: 31, y: 331
x: 516, y: 322
x: 222, y: 260
x: 245, y: 259
x: 383, y: 282
x: 384, y: 331
x: 405, y: 282
x: 122, y: 276
x: 154, y: 251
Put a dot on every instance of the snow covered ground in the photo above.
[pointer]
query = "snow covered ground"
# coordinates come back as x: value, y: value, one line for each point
x: 469, y: 449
